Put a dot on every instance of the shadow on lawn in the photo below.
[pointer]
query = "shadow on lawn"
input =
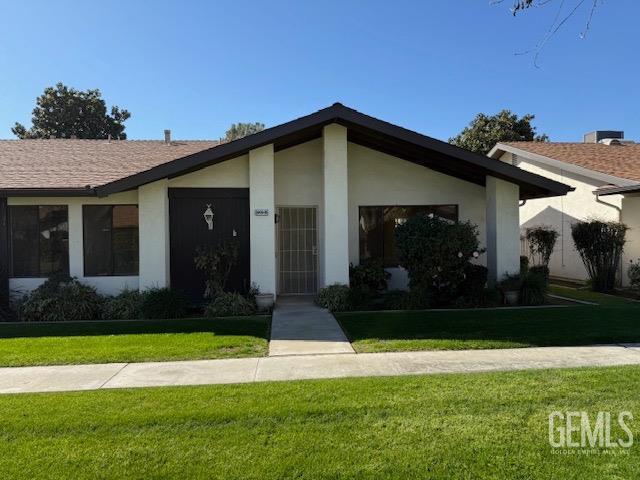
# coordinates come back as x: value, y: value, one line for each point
x: 257, y: 326
x: 536, y: 327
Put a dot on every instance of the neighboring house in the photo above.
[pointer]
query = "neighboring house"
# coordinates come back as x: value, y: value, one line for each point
x: 304, y: 199
x: 605, y: 171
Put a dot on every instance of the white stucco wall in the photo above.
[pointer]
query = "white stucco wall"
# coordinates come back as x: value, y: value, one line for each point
x: 262, y: 228
x: 336, y: 205
x: 503, y: 229
x: 378, y: 179
x: 561, y: 212
x: 631, y: 217
x: 153, y: 228
x: 233, y: 173
x: 106, y: 285
x: 298, y: 173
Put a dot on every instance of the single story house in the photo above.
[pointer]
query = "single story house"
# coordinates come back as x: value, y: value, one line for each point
x: 604, y: 169
x: 304, y: 199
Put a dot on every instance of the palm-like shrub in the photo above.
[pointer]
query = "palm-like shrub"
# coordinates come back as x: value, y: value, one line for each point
x: 127, y: 305
x: 335, y: 298
x: 229, y: 305
x: 600, y: 245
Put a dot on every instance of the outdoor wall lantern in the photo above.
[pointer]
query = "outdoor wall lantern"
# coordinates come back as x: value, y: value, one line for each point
x: 208, y: 216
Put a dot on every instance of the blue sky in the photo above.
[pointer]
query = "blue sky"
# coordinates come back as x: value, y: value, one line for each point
x: 197, y: 66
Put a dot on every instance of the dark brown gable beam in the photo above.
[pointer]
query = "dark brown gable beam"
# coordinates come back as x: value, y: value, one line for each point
x: 446, y: 158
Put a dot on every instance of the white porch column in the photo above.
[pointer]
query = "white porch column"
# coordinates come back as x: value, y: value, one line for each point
x: 503, y: 228
x: 262, y: 227
x: 153, y: 224
x: 336, y: 205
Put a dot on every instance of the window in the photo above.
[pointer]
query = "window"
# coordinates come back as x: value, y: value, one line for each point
x: 378, y: 224
x: 110, y: 240
x: 39, y: 240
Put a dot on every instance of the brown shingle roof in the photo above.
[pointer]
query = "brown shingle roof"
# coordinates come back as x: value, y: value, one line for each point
x: 71, y: 164
x: 617, y: 160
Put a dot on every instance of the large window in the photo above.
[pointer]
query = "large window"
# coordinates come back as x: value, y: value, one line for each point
x: 39, y: 240
x: 378, y: 224
x: 110, y: 240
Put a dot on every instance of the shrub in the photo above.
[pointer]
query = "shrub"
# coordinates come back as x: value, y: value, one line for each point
x: 335, y: 298
x: 61, y: 298
x: 395, y: 300
x: 524, y: 264
x: 542, y: 241
x: 533, y: 288
x: 158, y: 303
x: 216, y: 262
x: 127, y: 305
x: 634, y: 274
x: 541, y: 270
x: 229, y: 305
x: 369, y: 275
x: 436, y: 254
x: 600, y: 245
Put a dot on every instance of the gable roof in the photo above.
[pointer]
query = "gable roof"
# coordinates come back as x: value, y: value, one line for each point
x: 362, y: 129
x: 619, y: 161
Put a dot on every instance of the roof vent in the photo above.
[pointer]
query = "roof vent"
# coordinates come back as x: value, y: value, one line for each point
x: 598, y: 135
x: 167, y: 136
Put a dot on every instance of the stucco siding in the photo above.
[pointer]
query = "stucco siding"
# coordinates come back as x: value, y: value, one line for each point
x: 376, y: 178
x: 562, y: 212
x: 233, y: 173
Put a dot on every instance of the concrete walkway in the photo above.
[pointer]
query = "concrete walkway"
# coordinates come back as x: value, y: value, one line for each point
x: 244, y: 370
x: 299, y: 327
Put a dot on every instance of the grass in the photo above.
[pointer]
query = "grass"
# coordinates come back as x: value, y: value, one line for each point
x: 438, y: 427
x: 588, y: 295
x: 491, y: 328
x: 132, y: 341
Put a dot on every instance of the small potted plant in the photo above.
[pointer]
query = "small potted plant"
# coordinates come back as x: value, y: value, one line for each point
x: 510, y: 288
x: 264, y: 301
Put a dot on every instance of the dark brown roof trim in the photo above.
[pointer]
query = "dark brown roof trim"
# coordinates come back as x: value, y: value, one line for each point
x: 47, y: 192
x: 364, y: 130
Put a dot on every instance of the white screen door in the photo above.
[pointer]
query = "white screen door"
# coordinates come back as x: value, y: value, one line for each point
x: 297, y: 250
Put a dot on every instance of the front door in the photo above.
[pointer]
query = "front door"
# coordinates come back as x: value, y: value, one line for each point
x: 226, y: 219
x: 297, y: 250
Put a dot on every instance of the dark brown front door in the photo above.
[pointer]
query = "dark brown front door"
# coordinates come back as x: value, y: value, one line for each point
x: 189, y: 229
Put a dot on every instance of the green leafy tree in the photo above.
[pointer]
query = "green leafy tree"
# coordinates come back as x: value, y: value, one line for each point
x: 64, y: 112
x: 485, y: 131
x: 240, y: 130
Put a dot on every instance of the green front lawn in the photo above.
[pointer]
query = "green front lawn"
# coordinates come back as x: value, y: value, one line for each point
x: 491, y: 328
x: 438, y: 427
x: 132, y: 341
x: 587, y: 295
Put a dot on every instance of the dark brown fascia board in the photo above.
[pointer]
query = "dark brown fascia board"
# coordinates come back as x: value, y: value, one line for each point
x: 337, y: 113
x: 47, y: 192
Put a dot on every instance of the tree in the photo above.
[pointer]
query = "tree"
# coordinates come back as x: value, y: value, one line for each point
x: 239, y: 130
x: 485, y: 131
x: 64, y: 112
x: 560, y: 17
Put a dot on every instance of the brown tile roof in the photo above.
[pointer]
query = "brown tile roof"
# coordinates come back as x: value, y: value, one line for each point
x: 71, y: 164
x: 617, y: 160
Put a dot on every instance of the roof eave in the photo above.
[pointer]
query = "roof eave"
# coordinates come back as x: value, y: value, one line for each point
x: 47, y: 192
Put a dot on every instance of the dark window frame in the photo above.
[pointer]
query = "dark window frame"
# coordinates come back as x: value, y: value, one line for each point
x: 10, y: 240
x: 112, y: 263
x: 382, y: 240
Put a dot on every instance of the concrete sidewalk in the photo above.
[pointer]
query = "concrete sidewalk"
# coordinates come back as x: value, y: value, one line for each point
x: 245, y: 370
x: 300, y: 327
